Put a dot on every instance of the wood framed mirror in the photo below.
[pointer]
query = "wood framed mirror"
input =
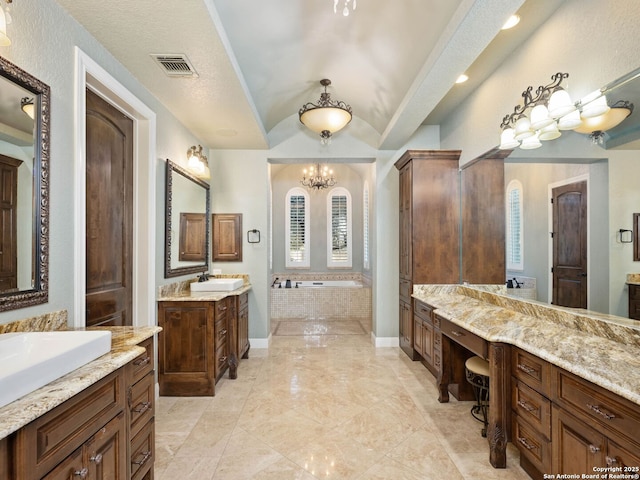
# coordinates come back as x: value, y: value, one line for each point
x: 24, y: 149
x: 187, y: 222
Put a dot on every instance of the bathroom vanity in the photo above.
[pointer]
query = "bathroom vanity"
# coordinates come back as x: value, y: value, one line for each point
x: 95, y: 422
x: 564, y: 383
x: 204, y: 334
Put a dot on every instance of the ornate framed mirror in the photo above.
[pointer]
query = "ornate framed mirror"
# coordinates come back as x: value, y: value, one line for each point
x: 187, y: 223
x: 24, y: 188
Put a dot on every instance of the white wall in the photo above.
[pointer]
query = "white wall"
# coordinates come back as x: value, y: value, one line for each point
x: 595, y: 42
x: 43, y: 40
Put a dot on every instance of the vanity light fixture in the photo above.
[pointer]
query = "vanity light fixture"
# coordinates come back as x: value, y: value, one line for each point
x: 345, y: 10
x: 544, y: 114
x: 5, y: 19
x: 327, y: 116
x: 27, y: 106
x: 197, y: 162
x: 318, y: 178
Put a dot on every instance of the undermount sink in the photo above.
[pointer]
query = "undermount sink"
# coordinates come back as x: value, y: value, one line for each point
x: 217, y: 285
x: 30, y: 360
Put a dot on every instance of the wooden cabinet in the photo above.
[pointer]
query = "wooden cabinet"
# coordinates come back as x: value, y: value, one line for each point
x: 567, y: 425
x: 429, y: 228
x: 199, y: 342
x: 424, y: 334
x: 634, y: 301
x: 227, y: 237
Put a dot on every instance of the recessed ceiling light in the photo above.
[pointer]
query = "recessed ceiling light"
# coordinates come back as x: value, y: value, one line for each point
x: 512, y: 22
x: 462, y: 78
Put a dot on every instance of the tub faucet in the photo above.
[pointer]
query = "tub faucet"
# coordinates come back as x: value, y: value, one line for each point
x: 274, y: 282
x: 298, y: 283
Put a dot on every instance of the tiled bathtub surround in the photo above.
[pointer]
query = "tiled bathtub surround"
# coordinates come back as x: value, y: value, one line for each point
x: 321, y: 302
x: 603, y: 349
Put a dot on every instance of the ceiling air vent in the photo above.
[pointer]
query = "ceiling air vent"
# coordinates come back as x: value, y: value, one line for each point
x: 175, y: 65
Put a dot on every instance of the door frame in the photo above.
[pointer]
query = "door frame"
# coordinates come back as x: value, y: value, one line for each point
x: 91, y: 75
x: 580, y: 178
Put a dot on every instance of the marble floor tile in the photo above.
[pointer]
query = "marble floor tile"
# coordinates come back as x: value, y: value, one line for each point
x: 324, y: 407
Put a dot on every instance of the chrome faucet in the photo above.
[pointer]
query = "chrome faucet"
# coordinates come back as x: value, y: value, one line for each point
x: 204, y: 277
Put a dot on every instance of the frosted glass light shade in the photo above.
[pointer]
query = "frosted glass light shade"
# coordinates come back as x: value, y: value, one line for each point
x: 523, y: 128
x: 570, y: 121
x: 5, y: 41
x: 550, y: 132
x: 560, y: 104
x: 530, y: 143
x: 540, y: 117
x: 508, y: 140
x: 320, y: 119
x: 597, y: 107
x: 605, y: 121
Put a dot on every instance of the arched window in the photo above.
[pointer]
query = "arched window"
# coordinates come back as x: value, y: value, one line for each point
x: 365, y: 226
x: 339, y: 228
x: 514, y: 226
x: 297, y: 229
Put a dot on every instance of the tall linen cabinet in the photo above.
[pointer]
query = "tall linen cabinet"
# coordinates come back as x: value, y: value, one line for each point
x: 429, y: 233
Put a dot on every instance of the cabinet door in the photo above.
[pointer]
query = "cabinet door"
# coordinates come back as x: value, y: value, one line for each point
x: 417, y: 336
x: 621, y: 454
x: 427, y: 342
x: 71, y: 468
x: 227, y: 237
x: 576, y: 447
x: 406, y: 326
x: 107, y: 451
x: 243, y: 332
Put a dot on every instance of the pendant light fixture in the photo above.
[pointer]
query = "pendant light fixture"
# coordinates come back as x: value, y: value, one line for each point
x: 318, y: 178
x: 327, y: 116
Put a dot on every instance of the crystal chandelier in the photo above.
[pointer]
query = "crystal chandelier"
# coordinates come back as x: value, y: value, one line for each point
x: 345, y: 10
x: 327, y: 116
x: 317, y: 177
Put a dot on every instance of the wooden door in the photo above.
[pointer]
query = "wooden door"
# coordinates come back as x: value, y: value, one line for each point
x: 576, y: 447
x: 193, y: 237
x: 227, y: 237
x: 8, y: 223
x: 109, y: 205
x: 569, y: 205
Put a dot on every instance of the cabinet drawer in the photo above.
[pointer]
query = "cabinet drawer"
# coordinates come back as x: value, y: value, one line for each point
x: 437, y: 320
x: 141, y: 403
x: 634, y: 292
x: 595, y: 404
x: 243, y: 301
x: 532, y: 407
x: 532, y: 445
x: 142, y: 452
x: 221, y: 308
x: 59, y: 432
x: 634, y: 309
x: 406, y: 289
x: 463, y: 337
x: 531, y: 370
x: 144, y: 364
x: 221, y: 334
x: 623, y: 454
x: 423, y: 310
x: 222, y: 359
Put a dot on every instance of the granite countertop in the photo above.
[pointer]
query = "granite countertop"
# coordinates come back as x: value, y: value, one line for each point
x: 124, y: 348
x: 181, y: 292
x: 633, y: 279
x: 602, y: 349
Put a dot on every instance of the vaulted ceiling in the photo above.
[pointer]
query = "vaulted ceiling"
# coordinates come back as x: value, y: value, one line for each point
x: 259, y: 61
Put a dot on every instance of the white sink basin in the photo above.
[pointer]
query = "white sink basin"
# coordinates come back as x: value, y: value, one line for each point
x: 32, y: 359
x: 217, y: 285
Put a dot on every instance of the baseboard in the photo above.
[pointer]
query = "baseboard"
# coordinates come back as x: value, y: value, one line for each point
x: 384, y: 342
x: 260, y: 342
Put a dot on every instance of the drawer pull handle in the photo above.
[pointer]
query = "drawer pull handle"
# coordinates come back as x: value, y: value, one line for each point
x: 81, y: 473
x: 223, y: 308
x: 599, y: 411
x: 222, y: 333
x: 141, y: 362
x: 594, y: 449
x: 145, y: 456
x: 611, y: 461
x: 97, y: 458
x: 142, y: 407
x: 528, y: 407
x: 456, y: 333
x: 523, y: 441
x: 526, y: 369
x: 222, y: 359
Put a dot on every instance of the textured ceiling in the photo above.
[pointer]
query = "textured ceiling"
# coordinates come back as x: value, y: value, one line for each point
x: 259, y: 61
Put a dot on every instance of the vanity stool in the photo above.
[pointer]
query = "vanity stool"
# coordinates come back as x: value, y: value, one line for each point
x: 477, y: 373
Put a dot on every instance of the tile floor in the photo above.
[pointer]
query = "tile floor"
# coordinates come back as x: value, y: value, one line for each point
x: 324, y: 406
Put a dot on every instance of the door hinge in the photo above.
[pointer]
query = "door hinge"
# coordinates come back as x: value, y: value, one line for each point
x: 551, y: 269
x: 551, y: 200
x: 552, y: 234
